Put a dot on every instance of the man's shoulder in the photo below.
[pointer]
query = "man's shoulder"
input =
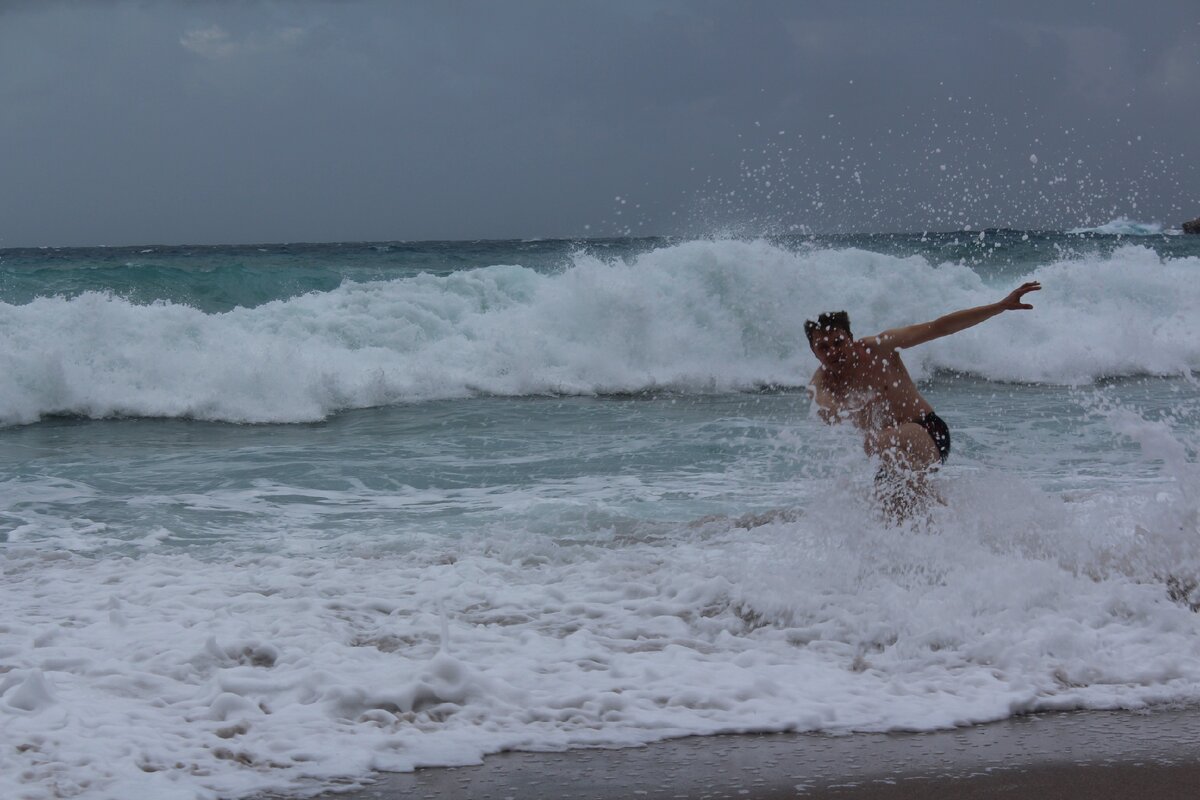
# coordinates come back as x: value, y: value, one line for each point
x: 878, y: 342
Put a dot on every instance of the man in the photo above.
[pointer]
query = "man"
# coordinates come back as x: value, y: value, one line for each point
x: 865, y: 381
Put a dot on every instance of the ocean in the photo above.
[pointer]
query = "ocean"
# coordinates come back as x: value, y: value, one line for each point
x: 275, y: 517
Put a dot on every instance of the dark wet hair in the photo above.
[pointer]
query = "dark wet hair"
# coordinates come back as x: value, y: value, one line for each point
x: 828, y: 321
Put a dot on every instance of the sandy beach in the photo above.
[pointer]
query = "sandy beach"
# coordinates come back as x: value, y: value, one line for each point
x: 1065, y: 755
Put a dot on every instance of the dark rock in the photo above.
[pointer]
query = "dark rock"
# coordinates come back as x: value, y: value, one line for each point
x: 1192, y: 227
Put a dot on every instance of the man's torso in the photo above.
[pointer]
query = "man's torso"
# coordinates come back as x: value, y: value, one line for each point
x: 873, y: 389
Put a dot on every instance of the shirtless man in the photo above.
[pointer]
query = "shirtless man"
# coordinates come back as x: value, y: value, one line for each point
x: 865, y: 381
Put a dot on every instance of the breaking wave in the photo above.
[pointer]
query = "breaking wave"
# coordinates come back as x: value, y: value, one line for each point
x: 699, y: 316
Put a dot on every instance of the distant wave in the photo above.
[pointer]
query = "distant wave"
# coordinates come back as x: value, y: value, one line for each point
x: 1122, y: 226
x: 700, y: 316
x: 214, y: 289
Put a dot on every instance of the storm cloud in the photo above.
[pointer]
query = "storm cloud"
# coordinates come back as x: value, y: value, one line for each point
x: 206, y: 122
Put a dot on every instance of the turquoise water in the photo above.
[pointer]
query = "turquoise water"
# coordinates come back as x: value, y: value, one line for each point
x: 573, y: 467
x: 344, y: 507
x: 217, y: 278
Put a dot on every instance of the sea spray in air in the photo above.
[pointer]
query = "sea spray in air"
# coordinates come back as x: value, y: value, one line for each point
x: 1166, y: 519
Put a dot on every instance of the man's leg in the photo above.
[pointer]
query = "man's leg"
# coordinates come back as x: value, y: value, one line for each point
x: 908, y: 445
x: 906, y: 454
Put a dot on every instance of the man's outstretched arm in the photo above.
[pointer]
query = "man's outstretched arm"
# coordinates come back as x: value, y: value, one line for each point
x: 913, y: 335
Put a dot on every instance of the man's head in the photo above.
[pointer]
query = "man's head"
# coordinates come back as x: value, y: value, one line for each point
x: 830, y: 337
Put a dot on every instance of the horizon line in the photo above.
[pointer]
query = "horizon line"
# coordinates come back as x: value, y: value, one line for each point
x: 533, y: 239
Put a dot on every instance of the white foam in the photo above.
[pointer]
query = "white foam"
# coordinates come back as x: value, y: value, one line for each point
x: 171, y: 676
x: 698, y: 316
x: 183, y: 676
x: 1123, y: 226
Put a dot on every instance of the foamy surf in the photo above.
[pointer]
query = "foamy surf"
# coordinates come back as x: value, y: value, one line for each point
x: 179, y: 676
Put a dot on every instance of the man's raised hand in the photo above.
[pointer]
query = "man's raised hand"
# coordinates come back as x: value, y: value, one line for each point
x: 1013, y: 300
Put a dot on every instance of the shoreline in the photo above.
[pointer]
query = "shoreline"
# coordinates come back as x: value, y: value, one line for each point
x: 1078, y: 754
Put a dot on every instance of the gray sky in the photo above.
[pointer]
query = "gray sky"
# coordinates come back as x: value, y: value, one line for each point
x: 254, y: 121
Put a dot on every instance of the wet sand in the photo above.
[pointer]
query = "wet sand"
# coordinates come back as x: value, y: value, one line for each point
x: 1068, y: 755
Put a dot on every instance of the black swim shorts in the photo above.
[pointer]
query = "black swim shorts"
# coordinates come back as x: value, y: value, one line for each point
x: 936, y: 427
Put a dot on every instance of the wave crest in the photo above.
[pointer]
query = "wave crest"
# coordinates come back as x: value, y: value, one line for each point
x: 697, y: 316
x: 1123, y: 226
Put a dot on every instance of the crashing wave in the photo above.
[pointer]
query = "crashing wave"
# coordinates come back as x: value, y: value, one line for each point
x: 700, y: 316
x: 1123, y: 226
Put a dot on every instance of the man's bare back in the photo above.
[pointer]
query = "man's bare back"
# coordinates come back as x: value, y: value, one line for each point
x: 865, y: 381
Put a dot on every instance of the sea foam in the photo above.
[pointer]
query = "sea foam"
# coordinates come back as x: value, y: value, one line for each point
x: 177, y: 676
x: 699, y: 316
x: 1123, y: 226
